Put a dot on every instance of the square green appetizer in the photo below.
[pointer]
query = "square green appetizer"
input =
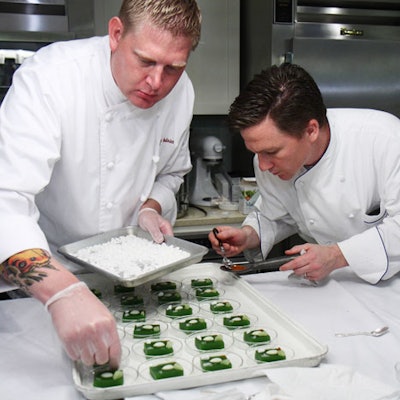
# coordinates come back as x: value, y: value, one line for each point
x: 166, y: 370
x: 104, y: 379
x: 171, y: 296
x: 215, y: 363
x: 178, y: 310
x: 123, y: 289
x: 201, y: 282
x: 193, y: 324
x: 146, y: 330
x: 158, y: 348
x: 97, y: 292
x: 164, y: 285
x: 134, y: 314
x: 236, y: 321
x: 206, y: 293
x: 209, y: 342
x: 256, y: 336
x: 221, y: 307
x: 268, y: 355
x: 131, y: 300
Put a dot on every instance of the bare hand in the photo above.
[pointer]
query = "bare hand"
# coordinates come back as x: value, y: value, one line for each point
x: 234, y: 240
x: 315, y: 262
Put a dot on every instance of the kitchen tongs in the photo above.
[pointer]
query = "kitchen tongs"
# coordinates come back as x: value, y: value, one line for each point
x: 247, y: 268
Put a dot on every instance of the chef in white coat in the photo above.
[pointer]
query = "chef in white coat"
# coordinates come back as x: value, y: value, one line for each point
x: 331, y: 176
x: 93, y: 137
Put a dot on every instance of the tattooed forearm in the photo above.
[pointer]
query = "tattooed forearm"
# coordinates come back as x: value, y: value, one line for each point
x: 27, y: 267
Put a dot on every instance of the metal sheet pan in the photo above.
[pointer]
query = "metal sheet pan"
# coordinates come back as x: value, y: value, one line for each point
x: 196, y: 254
x: 302, y: 349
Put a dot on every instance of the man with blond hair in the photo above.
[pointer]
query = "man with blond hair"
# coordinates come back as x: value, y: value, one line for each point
x: 94, y: 136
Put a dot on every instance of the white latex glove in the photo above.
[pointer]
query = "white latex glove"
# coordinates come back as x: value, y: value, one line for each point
x: 151, y: 221
x: 85, y: 326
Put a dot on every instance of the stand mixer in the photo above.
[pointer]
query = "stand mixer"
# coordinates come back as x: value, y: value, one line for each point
x: 209, y: 181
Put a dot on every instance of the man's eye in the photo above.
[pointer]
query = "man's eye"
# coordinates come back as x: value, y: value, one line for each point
x: 173, y: 70
x: 146, y: 62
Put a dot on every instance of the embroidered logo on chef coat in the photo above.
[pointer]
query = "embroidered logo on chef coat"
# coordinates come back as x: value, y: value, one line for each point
x: 167, y: 140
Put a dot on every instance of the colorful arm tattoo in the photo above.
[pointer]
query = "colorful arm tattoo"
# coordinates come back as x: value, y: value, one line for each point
x: 27, y: 267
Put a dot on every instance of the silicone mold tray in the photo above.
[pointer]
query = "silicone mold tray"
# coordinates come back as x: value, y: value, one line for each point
x: 300, y: 348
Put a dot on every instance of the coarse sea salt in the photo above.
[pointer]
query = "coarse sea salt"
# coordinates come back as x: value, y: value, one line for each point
x: 129, y: 256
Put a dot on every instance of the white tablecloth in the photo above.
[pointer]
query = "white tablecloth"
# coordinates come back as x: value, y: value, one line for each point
x: 34, y: 366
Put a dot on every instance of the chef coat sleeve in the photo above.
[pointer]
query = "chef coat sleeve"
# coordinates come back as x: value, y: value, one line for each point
x: 268, y: 230
x: 27, y: 158
x: 169, y: 180
x: 374, y: 254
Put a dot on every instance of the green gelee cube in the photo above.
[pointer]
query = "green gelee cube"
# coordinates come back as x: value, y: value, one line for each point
x: 164, y: 285
x: 171, y: 296
x: 146, y: 330
x: 201, y: 282
x: 268, y: 355
x: 215, y: 363
x: 131, y: 300
x: 236, y: 321
x: 158, y: 348
x: 207, y: 292
x: 178, y: 310
x: 193, y: 324
x: 209, y: 342
x: 166, y: 370
x: 256, y: 336
x: 108, y: 378
x: 221, y: 307
x: 134, y: 315
x: 123, y: 289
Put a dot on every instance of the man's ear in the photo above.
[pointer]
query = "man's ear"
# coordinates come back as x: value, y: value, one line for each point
x: 312, y: 130
x: 115, y: 31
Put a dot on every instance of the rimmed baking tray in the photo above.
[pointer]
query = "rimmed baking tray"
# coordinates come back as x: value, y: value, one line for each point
x: 302, y: 349
x: 196, y: 254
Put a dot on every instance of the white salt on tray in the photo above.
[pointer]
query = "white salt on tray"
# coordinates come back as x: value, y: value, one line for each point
x: 129, y: 256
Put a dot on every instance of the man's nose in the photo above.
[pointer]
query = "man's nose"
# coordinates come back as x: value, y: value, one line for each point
x: 155, y: 77
x: 264, y: 162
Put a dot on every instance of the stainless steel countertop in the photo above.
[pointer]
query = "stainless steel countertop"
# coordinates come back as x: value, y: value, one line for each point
x: 198, y: 222
x: 211, y: 215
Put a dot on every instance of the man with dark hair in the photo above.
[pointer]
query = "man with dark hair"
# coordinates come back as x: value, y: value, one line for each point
x: 332, y: 176
x: 94, y: 136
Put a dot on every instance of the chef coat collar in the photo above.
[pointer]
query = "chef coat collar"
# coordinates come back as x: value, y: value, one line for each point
x: 112, y: 92
x: 325, y: 156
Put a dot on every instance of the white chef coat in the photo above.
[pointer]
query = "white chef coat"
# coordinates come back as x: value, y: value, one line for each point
x: 335, y: 200
x: 76, y: 157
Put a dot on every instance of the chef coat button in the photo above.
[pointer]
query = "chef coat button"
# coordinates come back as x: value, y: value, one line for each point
x: 143, y: 198
x: 342, y: 179
x: 110, y: 165
x: 156, y: 159
x: 311, y: 221
x: 108, y: 117
x: 351, y: 215
x: 109, y: 205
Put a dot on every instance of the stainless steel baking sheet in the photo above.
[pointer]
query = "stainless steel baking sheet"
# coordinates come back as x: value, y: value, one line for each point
x: 302, y: 349
x: 196, y: 254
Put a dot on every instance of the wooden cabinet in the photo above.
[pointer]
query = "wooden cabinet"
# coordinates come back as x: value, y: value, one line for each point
x: 214, y: 66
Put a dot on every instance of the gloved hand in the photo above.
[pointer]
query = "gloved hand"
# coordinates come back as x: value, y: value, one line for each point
x: 85, y: 326
x: 151, y: 221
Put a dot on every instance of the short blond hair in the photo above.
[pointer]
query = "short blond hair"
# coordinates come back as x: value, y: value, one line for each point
x: 180, y: 17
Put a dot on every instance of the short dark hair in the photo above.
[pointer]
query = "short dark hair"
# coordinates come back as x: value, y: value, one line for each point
x: 286, y: 93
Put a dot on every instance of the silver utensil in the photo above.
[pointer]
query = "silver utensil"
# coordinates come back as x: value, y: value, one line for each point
x: 377, y: 332
x: 227, y: 262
